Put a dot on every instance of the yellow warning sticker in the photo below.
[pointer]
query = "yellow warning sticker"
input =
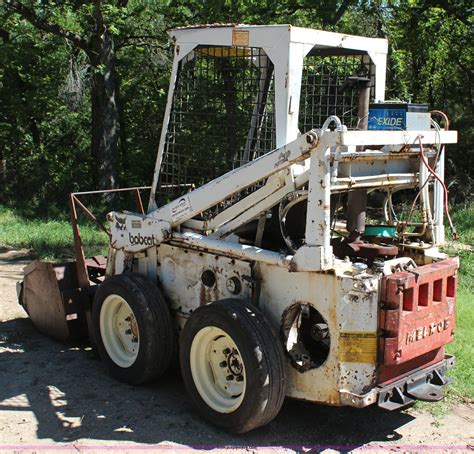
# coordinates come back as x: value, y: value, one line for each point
x: 358, y: 347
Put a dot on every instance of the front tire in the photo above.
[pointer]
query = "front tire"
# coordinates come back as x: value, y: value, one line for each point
x: 233, y: 366
x: 132, y: 328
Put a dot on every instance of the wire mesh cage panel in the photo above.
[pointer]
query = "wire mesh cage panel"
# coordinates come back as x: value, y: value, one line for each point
x: 222, y: 116
x: 326, y: 89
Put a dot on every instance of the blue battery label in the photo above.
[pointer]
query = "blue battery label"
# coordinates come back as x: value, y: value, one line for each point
x: 387, y: 119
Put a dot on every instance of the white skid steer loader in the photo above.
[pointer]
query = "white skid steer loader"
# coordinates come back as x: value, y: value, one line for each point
x: 278, y: 255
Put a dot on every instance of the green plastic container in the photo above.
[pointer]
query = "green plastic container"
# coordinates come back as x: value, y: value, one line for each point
x: 386, y: 231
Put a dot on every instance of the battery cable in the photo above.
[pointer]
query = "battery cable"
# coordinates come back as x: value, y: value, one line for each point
x: 445, y: 189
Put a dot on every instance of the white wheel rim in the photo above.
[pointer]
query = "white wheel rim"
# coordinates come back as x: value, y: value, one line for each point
x: 218, y: 370
x: 119, y: 331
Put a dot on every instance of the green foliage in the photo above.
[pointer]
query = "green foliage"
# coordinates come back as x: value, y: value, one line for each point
x: 464, y: 222
x: 45, y: 79
x: 45, y: 94
x: 431, y: 61
x: 45, y: 144
x: 462, y: 347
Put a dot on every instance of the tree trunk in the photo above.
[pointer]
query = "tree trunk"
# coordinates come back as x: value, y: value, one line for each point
x: 105, y: 114
x: 100, y: 49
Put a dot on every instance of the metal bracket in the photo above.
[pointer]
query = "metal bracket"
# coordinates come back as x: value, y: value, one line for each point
x: 429, y: 388
x: 393, y: 399
x: 426, y: 385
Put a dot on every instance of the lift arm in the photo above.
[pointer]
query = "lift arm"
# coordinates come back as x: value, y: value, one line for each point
x: 133, y: 232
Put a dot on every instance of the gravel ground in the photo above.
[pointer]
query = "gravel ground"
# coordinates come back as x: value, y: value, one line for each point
x: 56, y: 397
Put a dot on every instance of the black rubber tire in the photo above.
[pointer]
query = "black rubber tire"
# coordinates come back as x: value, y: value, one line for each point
x: 157, y: 338
x: 266, y: 376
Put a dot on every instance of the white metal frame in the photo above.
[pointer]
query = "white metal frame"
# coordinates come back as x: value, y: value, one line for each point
x: 286, y: 46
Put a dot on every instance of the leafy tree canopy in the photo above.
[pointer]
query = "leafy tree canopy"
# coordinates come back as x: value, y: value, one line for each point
x: 83, y: 83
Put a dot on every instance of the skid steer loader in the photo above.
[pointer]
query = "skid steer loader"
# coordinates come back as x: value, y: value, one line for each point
x: 278, y: 255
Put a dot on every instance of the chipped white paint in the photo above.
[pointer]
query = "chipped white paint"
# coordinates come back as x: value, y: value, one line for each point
x: 181, y: 275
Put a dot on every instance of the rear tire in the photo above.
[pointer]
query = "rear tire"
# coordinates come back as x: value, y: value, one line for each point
x: 233, y: 366
x: 132, y: 328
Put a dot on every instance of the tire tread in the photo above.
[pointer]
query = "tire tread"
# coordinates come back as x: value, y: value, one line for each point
x: 252, y: 322
x: 160, y: 348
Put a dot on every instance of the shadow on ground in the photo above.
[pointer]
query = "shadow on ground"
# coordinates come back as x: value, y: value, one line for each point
x: 72, y: 397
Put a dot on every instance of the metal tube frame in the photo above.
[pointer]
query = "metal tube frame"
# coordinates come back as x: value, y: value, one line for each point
x: 81, y: 267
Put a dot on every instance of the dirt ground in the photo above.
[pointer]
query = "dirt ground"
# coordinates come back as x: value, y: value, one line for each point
x: 55, y: 397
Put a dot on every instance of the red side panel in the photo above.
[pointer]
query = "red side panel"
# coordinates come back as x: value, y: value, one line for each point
x: 418, y: 313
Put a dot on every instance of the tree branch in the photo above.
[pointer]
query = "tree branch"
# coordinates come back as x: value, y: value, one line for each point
x: 340, y: 12
x: 4, y: 35
x: 141, y: 44
x: 32, y: 17
x: 125, y: 42
x: 129, y: 37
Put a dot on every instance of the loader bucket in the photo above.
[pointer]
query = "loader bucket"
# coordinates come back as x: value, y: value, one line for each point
x: 58, y: 296
x: 52, y: 298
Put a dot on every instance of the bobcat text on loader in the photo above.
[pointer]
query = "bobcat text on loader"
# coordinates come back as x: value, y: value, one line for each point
x: 290, y: 243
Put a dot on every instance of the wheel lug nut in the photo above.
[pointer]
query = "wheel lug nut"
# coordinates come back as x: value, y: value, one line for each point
x: 240, y: 378
x: 226, y: 351
x: 128, y: 331
x: 223, y: 364
x: 229, y: 377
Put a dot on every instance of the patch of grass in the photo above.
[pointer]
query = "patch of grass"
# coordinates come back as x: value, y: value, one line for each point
x: 462, y: 387
x: 47, y: 238
x: 463, y: 220
x: 463, y: 347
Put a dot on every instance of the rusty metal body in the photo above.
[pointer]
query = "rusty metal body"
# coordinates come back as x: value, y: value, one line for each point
x: 361, y: 320
x: 418, y: 313
x: 58, y: 296
x: 52, y: 297
x: 359, y: 366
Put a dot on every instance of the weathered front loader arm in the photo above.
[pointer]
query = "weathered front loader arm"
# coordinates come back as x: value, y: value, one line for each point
x: 331, y: 150
x: 134, y: 233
